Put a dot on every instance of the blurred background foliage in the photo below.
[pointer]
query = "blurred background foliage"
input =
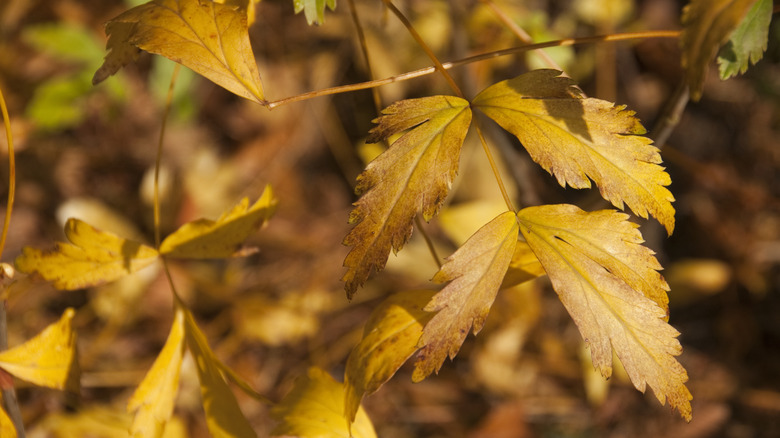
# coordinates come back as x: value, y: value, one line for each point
x: 89, y: 152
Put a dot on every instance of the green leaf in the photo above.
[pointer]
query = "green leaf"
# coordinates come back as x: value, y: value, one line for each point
x: 49, y: 359
x: 748, y: 41
x: 576, y: 138
x: 93, y: 257
x: 610, y: 285
x: 390, y: 337
x: 475, y: 272
x: 314, y: 10
x: 414, y: 174
x: 315, y: 409
x: 207, y: 239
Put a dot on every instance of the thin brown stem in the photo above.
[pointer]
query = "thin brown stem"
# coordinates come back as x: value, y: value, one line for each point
x: 389, y: 4
x: 494, y: 168
x: 670, y: 116
x: 158, y: 159
x: 476, y: 58
x: 364, y: 48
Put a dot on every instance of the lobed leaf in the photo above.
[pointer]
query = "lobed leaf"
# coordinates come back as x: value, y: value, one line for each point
x: 210, y: 38
x: 207, y: 239
x: 314, y: 10
x: 577, y: 138
x: 413, y: 175
x: 475, y: 272
x: 315, y: 409
x: 610, y: 286
x: 223, y: 415
x: 707, y: 25
x: 748, y: 41
x: 390, y: 337
x: 93, y: 257
x: 524, y: 266
x: 49, y: 359
x: 154, y: 398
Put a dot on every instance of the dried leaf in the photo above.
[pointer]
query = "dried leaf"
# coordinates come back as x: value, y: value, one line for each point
x: 475, y: 272
x: 207, y: 239
x: 610, y: 285
x: 414, y: 174
x: 153, y: 400
x: 49, y: 359
x: 210, y: 38
x: 707, y: 25
x: 390, y: 337
x: 315, y: 409
x: 314, y: 10
x: 93, y: 257
x: 223, y: 416
x: 577, y: 138
x: 7, y: 428
x: 748, y: 41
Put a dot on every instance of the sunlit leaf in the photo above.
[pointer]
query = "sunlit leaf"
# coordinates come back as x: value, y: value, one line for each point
x: 390, y: 337
x: 207, y: 239
x: 7, y: 428
x: 314, y: 10
x: 523, y: 267
x: 576, y: 138
x: 707, y: 25
x: 610, y: 285
x: 223, y: 416
x: 153, y: 400
x: 49, y: 359
x: 413, y: 175
x: 748, y: 41
x: 249, y: 7
x: 475, y: 272
x: 210, y: 38
x: 93, y: 257
x: 315, y: 409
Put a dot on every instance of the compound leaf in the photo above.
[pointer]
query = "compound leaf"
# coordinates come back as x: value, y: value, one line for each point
x: 414, y: 174
x: 210, y: 38
x: 390, y: 337
x: 93, y: 257
x: 576, y: 138
x: 610, y: 286
x: 707, y: 25
x: 748, y: 41
x: 153, y: 400
x: 315, y: 409
x: 49, y: 359
x: 314, y: 10
x: 475, y: 272
x: 207, y: 239
x: 223, y: 416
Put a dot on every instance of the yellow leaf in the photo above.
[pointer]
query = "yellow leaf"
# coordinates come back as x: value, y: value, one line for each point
x: 577, y: 138
x: 475, y: 272
x: 210, y: 38
x: 389, y: 338
x: 414, y: 174
x: 49, y: 359
x: 707, y: 25
x: 246, y: 6
x: 98, y: 422
x: 315, y: 409
x: 7, y: 428
x: 93, y: 258
x: 610, y: 286
x: 153, y: 400
x: 523, y: 267
x: 207, y: 239
x: 223, y: 416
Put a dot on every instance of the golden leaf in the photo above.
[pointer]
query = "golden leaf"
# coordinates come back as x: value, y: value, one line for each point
x: 153, y: 400
x: 93, y: 257
x: 390, y: 337
x: 249, y: 7
x: 210, y: 38
x: 707, y: 25
x: 577, y: 138
x: 610, y: 286
x: 49, y: 359
x: 315, y: 409
x: 414, y: 174
x: 475, y: 272
x: 207, y: 239
x: 7, y: 428
x: 223, y: 416
x: 524, y: 266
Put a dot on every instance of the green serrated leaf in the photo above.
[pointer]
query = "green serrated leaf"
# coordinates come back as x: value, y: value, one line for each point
x: 314, y: 10
x: 748, y: 41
